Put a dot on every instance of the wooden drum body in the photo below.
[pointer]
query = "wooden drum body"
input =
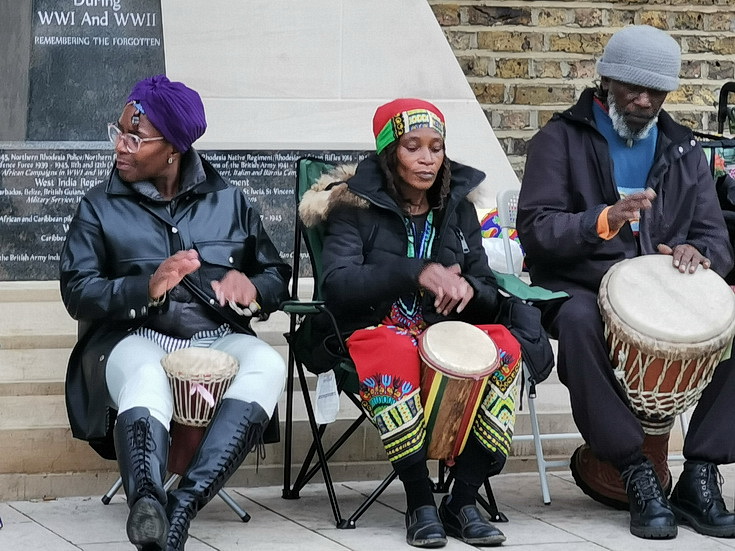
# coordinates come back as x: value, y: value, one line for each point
x: 667, y: 331
x: 198, y: 378
x: 456, y: 360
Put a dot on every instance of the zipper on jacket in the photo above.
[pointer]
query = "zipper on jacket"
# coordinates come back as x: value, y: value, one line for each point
x: 462, y: 240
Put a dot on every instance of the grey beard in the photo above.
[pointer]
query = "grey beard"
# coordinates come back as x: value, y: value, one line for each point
x: 622, y: 128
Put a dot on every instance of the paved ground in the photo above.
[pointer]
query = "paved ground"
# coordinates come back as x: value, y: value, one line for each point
x: 572, y: 522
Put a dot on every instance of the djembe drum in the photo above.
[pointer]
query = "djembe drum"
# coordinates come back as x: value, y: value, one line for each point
x: 198, y: 378
x: 667, y: 331
x: 456, y: 361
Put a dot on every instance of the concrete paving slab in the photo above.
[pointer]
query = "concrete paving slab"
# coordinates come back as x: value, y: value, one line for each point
x: 572, y: 522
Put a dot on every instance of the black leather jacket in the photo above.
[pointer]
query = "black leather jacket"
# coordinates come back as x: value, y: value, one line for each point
x: 115, y: 242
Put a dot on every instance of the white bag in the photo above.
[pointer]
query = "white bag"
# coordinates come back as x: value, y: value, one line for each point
x: 327, y: 398
x: 495, y: 251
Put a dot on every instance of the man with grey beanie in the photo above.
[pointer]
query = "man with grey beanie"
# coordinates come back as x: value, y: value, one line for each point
x: 611, y: 178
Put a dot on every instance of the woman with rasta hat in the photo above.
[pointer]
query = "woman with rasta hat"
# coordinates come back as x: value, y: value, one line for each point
x: 166, y: 254
x: 402, y: 231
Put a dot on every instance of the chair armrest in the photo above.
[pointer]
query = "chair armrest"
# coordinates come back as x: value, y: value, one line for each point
x: 515, y: 286
x: 302, y: 306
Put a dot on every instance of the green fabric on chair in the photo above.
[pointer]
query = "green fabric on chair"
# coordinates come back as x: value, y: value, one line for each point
x: 513, y: 285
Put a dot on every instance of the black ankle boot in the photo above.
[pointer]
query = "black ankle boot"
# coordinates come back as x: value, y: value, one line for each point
x: 469, y: 525
x: 236, y: 429
x: 651, y: 516
x: 697, y: 500
x: 141, y: 444
x: 424, y: 529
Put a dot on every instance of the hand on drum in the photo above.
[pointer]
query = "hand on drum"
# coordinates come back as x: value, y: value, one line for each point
x: 236, y: 288
x: 629, y: 208
x: 171, y: 271
x: 448, y: 286
x: 686, y: 257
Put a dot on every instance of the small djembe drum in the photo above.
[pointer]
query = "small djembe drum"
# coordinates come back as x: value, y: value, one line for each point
x: 667, y: 331
x: 198, y: 378
x: 456, y: 361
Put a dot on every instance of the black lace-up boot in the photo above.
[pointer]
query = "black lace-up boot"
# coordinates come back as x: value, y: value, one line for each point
x: 651, y: 516
x: 237, y: 428
x: 141, y: 444
x: 697, y: 500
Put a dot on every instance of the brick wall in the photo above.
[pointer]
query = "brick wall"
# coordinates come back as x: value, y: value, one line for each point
x: 526, y: 59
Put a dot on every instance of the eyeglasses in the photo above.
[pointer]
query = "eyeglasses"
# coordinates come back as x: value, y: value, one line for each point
x: 132, y: 142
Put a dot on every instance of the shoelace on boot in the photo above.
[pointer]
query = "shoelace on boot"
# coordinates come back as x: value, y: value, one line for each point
x: 645, y: 483
x: 711, y: 481
x: 143, y: 446
x: 179, y: 526
x: 246, y: 439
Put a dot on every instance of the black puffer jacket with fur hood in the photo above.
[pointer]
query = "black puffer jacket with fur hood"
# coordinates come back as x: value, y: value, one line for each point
x: 365, y: 266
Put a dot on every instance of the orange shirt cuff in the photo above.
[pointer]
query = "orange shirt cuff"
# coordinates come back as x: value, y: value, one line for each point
x: 603, y: 229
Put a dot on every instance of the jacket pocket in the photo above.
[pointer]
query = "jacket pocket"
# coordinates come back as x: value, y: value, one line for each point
x: 223, y: 253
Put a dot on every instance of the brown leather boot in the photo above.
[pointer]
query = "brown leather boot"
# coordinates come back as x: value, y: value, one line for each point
x: 601, y: 480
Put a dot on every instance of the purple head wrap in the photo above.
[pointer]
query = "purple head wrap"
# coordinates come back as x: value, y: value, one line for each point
x: 174, y: 109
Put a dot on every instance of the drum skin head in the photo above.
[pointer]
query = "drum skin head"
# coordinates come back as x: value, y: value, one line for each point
x: 459, y: 349
x: 652, y: 297
x: 200, y: 364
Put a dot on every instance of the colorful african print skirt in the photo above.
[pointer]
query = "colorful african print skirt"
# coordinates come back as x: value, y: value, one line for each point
x: 389, y: 369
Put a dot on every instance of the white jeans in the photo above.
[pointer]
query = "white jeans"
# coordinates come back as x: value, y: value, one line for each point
x: 135, y: 377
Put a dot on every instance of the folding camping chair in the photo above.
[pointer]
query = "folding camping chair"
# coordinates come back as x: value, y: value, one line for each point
x: 301, y: 345
x: 720, y: 152
x: 507, y: 212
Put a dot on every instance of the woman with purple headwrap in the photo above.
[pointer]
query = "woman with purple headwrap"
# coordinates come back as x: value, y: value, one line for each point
x: 167, y: 254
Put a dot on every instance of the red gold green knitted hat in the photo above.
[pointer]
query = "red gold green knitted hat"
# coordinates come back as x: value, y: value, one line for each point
x: 396, y: 118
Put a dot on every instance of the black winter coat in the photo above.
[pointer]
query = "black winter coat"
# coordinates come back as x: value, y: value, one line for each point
x: 116, y: 241
x: 568, y: 181
x: 364, y: 259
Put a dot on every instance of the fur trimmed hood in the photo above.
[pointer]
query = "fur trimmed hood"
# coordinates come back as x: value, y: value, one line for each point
x: 332, y: 189
x: 329, y: 190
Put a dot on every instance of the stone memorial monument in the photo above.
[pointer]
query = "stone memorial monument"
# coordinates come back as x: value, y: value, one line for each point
x: 82, y: 56
x: 273, y: 92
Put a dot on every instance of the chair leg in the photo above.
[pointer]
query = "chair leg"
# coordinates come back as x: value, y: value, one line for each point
x: 539, y: 449
x: 112, y: 491
x: 444, y: 479
x: 490, y: 505
x: 171, y: 481
x: 317, y: 443
x: 351, y: 522
x: 306, y: 473
x: 287, y: 492
x: 684, y: 425
x: 239, y: 511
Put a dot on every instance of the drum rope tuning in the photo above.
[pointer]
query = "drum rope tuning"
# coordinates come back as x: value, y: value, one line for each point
x: 198, y: 377
x: 666, y: 332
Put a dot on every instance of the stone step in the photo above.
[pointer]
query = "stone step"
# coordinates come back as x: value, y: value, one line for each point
x: 39, y: 424
x: 34, y: 317
x: 32, y: 372
x: 29, y: 291
x: 46, y: 324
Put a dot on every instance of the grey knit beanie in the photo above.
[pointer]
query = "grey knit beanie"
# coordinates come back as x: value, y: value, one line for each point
x: 644, y: 56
